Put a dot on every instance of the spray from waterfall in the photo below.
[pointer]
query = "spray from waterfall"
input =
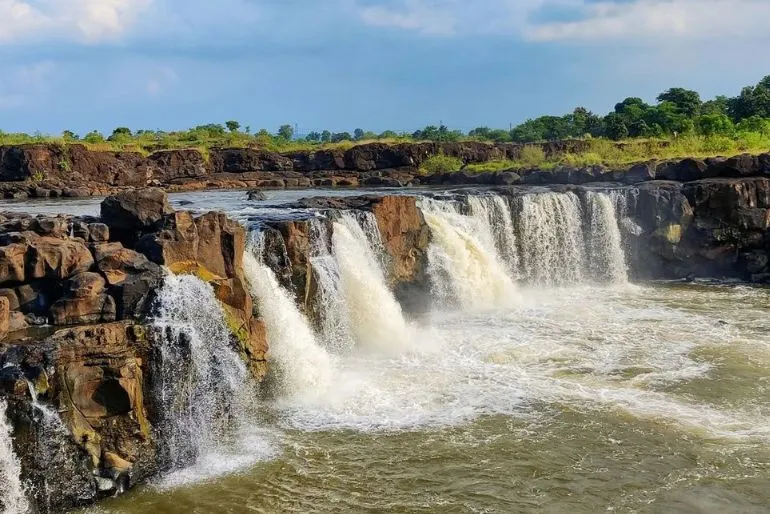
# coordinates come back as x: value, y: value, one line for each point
x: 464, y: 263
x: 12, y: 497
x: 201, y: 384
x: 302, y: 366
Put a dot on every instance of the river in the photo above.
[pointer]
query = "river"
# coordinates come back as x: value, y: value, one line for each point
x: 535, y: 383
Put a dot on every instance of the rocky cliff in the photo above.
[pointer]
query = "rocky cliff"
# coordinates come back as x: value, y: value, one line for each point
x: 75, y: 349
x: 72, y: 170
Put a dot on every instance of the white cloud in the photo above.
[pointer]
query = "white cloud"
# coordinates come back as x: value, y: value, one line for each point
x: 87, y: 21
x: 648, y: 20
x: 669, y: 19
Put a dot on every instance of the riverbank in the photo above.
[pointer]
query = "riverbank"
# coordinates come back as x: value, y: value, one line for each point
x: 43, y: 171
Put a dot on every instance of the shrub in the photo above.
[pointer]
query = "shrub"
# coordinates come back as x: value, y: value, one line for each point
x: 532, y: 157
x: 440, y: 164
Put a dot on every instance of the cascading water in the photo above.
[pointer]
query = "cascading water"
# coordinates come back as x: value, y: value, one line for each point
x: 552, y: 245
x: 464, y: 263
x: 497, y: 212
x: 334, y: 322
x: 12, y: 497
x: 607, y: 259
x: 202, y: 384
x: 564, y: 241
x: 374, y: 316
x: 302, y: 366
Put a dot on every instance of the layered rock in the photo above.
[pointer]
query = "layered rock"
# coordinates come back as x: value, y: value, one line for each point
x: 41, y: 170
x: 76, y: 345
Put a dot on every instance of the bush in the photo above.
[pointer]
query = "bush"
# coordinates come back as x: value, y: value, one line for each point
x: 440, y: 164
x: 532, y: 157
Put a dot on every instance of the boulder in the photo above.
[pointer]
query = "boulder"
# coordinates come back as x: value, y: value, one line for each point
x: 255, y: 195
x: 17, y: 322
x: 685, y: 170
x: 140, y: 209
x: 118, y: 263
x: 56, y: 259
x: 98, y: 232
x: 641, y: 172
x: 12, y: 263
x: 5, y: 317
x: 10, y: 295
x: 85, y: 285
x: 77, y: 311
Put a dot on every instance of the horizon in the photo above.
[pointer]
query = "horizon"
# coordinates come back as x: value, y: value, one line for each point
x: 372, y: 64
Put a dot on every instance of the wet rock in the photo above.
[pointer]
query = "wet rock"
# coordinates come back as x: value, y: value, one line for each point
x: 136, y: 210
x: 255, y: 195
x: 98, y: 232
x: 685, y: 170
x: 641, y: 172
x: 17, y: 322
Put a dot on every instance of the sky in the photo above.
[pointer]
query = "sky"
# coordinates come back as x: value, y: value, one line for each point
x: 376, y: 64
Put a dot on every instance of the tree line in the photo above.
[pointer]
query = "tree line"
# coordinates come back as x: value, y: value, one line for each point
x: 677, y: 112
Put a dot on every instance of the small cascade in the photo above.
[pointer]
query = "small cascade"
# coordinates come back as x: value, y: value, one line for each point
x: 607, y: 259
x: 553, y: 249
x: 497, y: 212
x: 301, y: 366
x: 202, y: 384
x: 373, y: 313
x: 12, y: 495
x: 564, y: 241
x: 464, y: 263
x: 332, y: 314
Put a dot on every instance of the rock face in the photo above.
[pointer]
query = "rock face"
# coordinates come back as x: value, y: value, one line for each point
x: 43, y: 171
x: 136, y: 210
x: 76, y: 385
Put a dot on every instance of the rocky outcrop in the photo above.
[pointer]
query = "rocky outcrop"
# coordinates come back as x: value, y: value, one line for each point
x: 42, y: 170
x: 76, y: 297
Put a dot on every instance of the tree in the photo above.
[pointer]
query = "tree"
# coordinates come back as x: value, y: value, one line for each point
x: 94, y: 137
x: 286, y: 132
x: 714, y: 124
x: 718, y: 105
x: 247, y: 129
x: 68, y: 135
x: 341, y: 136
x: 326, y: 136
x: 120, y: 133
x: 358, y: 134
x: 753, y: 101
x: 686, y: 101
x: 232, y: 125
x: 313, y: 137
x: 615, y: 127
x: 755, y: 124
x: 388, y: 134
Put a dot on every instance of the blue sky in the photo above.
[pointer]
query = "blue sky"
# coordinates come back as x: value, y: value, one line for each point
x: 375, y: 64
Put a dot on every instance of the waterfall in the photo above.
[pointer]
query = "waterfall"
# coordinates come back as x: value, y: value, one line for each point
x: 201, y: 382
x: 497, y: 212
x: 12, y: 497
x: 334, y: 322
x: 373, y: 314
x: 565, y: 242
x: 553, y: 248
x: 301, y: 365
x: 607, y: 259
x: 464, y: 264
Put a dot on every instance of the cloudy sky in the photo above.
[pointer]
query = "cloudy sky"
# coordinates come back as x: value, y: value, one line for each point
x: 376, y: 64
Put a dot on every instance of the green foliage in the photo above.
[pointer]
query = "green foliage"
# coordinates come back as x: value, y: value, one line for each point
x: 233, y: 126
x: 94, y: 137
x: 64, y: 165
x: 440, y: 164
x: 532, y: 157
x: 286, y: 132
x: 715, y: 124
